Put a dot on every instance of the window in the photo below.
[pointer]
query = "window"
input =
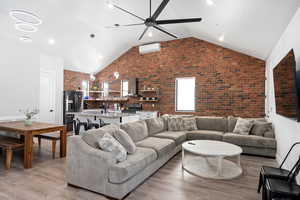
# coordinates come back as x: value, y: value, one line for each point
x: 185, y: 94
x: 124, y: 85
x: 105, y: 89
x: 85, y: 88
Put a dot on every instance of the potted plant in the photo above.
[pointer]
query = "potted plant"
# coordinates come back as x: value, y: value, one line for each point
x: 29, y: 114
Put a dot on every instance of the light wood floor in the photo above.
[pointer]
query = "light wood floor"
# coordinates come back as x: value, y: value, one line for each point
x: 46, y: 181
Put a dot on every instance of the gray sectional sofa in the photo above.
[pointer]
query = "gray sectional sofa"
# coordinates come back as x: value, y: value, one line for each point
x: 91, y: 168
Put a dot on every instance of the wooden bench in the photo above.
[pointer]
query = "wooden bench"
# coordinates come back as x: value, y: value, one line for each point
x: 9, y: 144
x: 53, y: 137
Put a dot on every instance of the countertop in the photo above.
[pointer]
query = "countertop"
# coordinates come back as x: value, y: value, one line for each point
x: 97, y: 113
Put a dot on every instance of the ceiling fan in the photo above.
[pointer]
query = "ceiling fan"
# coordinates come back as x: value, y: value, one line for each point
x: 152, y: 20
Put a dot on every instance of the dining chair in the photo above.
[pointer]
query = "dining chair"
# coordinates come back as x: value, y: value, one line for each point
x: 275, y: 172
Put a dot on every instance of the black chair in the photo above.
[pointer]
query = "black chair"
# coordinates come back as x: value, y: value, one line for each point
x: 282, y: 189
x: 92, y: 124
x: 78, y: 124
x: 102, y: 123
x: 273, y: 172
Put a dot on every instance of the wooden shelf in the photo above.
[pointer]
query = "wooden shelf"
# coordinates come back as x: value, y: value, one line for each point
x: 95, y: 91
x: 114, y: 91
x: 153, y: 101
x: 148, y: 90
x: 106, y: 100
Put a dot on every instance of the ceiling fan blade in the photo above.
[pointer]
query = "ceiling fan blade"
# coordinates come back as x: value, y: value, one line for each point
x: 146, y: 29
x: 124, y: 25
x: 128, y: 12
x: 160, y: 9
x: 164, y: 30
x: 177, y: 21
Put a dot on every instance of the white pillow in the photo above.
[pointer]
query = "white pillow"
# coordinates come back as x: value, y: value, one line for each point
x: 243, y: 126
x: 110, y: 144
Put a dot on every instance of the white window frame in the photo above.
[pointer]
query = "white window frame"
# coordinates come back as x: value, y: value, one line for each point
x: 85, y: 90
x: 125, y: 92
x: 176, y: 84
x: 105, y: 89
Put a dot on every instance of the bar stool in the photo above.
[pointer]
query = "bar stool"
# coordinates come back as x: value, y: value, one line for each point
x: 92, y: 124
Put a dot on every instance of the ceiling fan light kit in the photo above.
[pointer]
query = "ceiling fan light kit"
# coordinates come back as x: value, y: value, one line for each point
x: 152, y: 21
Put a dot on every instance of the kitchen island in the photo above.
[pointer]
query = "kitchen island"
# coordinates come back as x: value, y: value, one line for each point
x: 115, y: 117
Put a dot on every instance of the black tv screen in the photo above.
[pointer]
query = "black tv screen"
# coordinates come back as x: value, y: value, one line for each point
x: 287, y: 87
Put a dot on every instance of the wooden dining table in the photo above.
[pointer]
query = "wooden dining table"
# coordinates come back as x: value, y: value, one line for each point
x: 28, y: 132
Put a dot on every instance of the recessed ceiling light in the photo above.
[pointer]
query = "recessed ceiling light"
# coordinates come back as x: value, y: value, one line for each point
x: 100, y: 57
x: 25, y: 39
x: 150, y: 34
x: 51, y: 41
x: 25, y: 16
x: 210, y: 2
x: 24, y: 27
x: 109, y: 4
x: 221, y: 38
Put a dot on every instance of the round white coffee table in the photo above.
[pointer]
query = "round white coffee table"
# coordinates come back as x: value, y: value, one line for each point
x: 208, y: 161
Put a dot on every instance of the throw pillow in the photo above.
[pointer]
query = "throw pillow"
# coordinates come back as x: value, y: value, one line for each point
x: 259, y: 128
x: 243, y: 126
x: 110, y: 144
x: 125, y: 140
x: 189, y: 124
x: 175, y: 124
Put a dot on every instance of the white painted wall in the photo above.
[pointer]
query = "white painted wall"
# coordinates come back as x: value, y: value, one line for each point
x: 19, y: 78
x: 287, y: 130
x: 20, y: 65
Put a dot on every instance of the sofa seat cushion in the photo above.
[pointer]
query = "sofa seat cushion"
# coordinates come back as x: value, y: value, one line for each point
x: 136, y: 130
x: 162, y: 146
x: 178, y: 136
x: 204, y: 135
x: 134, y: 163
x: 250, y: 140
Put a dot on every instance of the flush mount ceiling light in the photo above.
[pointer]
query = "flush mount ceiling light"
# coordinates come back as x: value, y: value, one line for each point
x: 221, y: 38
x: 150, y: 34
x: 25, y: 17
x: 51, y: 41
x: 25, y: 39
x: 109, y: 5
x: 210, y: 2
x: 24, y: 27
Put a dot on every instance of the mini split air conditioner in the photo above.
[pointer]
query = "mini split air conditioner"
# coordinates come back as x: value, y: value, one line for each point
x: 149, y: 48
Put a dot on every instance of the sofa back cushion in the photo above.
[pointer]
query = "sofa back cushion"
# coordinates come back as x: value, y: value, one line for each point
x: 212, y: 123
x: 155, y: 125
x: 125, y: 140
x: 92, y: 137
x: 259, y: 128
x: 231, y: 122
x: 136, y: 130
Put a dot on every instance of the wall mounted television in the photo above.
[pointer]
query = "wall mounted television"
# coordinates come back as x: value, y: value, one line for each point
x: 287, y: 87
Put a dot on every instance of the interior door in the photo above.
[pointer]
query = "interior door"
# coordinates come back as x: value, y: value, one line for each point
x: 47, y: 96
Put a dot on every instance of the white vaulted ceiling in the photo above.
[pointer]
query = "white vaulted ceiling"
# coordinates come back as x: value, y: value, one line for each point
x: 249, y: 26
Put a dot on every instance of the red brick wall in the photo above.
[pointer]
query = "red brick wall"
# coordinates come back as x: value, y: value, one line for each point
x: 73, y: 79
x: 227, y: 82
